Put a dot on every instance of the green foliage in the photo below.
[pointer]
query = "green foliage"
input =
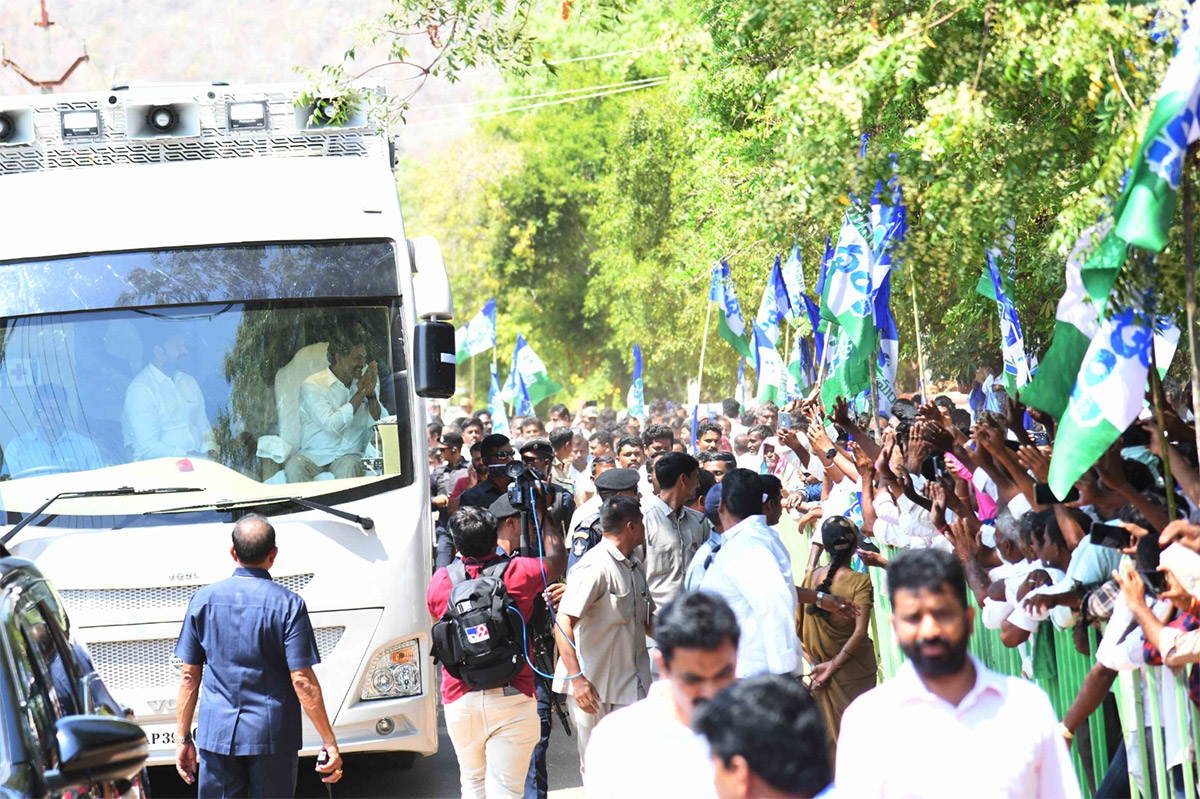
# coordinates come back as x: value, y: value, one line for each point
x: 599, y: 225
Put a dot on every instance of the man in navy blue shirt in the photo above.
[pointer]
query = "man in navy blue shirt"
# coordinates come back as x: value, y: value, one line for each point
x: 255, y: 638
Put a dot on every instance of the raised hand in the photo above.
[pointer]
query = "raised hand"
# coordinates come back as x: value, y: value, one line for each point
x: 789, y: 438
x: 1181, y: 532
x: 1132, y: 586
x: 875, y: 559
x: 841, y: 414
x: 1036, y: 461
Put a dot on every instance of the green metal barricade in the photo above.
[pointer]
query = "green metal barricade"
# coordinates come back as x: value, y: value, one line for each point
x: 1061, y: 678
x: 1061, y: 682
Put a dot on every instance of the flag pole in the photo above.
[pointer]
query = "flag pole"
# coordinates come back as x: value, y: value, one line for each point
x: 912, y: 284
x: 703, y: 349
x: 875, y: 395
x: 1156, y: 394
x: 1189, y: 261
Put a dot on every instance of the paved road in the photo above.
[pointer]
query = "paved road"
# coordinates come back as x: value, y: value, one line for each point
x: 433, y: 777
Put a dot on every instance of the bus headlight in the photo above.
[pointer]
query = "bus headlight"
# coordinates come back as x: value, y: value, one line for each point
x: 394, y: 671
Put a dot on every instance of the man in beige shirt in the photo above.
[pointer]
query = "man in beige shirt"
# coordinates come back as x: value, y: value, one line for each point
x: 603, y: 621
x: 673, y: 532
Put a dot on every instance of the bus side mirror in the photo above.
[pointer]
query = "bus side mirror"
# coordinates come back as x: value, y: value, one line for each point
x: 434, y: 359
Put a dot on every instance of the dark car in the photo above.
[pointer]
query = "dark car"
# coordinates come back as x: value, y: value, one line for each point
x: 61, y: 732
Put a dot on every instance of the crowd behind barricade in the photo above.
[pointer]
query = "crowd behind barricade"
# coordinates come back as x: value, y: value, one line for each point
x: 647, y: 567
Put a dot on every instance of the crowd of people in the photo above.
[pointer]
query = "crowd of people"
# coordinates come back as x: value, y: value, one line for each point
x: 693, y: 657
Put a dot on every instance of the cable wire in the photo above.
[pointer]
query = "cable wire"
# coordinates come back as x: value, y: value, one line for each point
x: 489, y: 114
x: 540, y: 94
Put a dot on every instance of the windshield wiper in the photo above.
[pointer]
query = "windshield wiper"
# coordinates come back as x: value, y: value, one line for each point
x: 365, y: 522
x: 123, y: 491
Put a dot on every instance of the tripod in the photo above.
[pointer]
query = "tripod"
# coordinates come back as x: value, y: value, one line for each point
x: 541, y: 626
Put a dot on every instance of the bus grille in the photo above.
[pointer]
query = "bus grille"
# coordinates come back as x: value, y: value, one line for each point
x: 151, y: 664
x: 169, y: 597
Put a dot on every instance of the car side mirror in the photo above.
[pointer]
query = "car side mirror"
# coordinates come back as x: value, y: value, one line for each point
x: 434, y: 359
x: 95, y: 749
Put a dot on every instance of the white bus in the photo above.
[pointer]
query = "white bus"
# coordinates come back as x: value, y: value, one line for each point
x: 174, y: 264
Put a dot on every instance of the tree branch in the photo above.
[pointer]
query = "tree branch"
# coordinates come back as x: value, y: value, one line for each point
x: 1112, y: 62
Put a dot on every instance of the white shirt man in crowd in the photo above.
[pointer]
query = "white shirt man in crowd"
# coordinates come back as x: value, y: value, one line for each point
x: 749, y: 573
x: 994, y: 735
x: 164, y: 412
x: 697, y: 638
x: 338, y: 408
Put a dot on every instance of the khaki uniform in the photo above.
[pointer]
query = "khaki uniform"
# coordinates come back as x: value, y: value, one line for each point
x: 607, y: 592
x: 671, y: 541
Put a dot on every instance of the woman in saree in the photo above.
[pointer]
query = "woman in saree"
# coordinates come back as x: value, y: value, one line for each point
x: 839, y: 648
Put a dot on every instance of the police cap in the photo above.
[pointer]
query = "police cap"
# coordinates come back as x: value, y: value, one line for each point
x: 538, y: 447
x: 617, y: 480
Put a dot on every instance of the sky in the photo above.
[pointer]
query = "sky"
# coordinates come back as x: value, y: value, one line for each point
x: 166, y: 41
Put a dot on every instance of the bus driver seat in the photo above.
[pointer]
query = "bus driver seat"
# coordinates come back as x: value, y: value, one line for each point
x: 278, y: 449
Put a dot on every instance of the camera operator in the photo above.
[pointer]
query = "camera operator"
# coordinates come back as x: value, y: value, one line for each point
x: 494, y: 731
x: 509, y: 535
x: 497, y: 453
x: 537, y: 454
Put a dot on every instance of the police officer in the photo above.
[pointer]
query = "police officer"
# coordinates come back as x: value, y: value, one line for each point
x: 603, y: 620
x: 255, y: 638
x: 587, y: 532
x: 537, y: 454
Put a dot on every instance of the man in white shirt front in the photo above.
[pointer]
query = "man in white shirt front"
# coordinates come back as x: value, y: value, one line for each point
x: 164, y: 414
x: 338, y: 408
x: 993, y: 735
x: 752, y: 572
x: 697, y: 638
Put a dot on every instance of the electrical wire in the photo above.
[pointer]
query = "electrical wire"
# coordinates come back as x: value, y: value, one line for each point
x: 605, y: 55
x: 539, y: 95
x: 489, y: 114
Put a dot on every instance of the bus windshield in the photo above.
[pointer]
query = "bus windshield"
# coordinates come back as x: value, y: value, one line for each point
x: 245, y: 399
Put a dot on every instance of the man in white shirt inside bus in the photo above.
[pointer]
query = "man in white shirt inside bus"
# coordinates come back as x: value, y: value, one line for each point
x: 164, y: 413
x: 51, y: 445
x: 339, y: 406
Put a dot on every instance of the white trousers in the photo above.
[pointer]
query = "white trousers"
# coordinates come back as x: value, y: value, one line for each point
x: 493, y: 737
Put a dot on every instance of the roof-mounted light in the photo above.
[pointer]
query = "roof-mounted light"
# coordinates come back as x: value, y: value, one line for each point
x: 247, y: 116
x: 80, y: 124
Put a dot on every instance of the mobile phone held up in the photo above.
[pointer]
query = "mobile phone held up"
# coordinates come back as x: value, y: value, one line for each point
x: 1156, y: 581
x: 1109, y: 535
x: 1042, y: 495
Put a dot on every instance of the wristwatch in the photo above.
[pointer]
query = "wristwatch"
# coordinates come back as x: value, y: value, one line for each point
x: 831, y: 453
x: 821, y: 597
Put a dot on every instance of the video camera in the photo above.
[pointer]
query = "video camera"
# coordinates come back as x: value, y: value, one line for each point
x: 524, y: 479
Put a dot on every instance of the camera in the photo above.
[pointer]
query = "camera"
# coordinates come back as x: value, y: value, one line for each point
x: 524, y: 480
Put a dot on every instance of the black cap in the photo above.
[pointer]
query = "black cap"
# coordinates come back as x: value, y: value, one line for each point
x: 839, y: 534
x: 502, y: 508
x: 538, y: 446
x: 617, y: 480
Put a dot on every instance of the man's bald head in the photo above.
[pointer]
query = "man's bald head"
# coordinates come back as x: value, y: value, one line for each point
x: 253, y: 540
